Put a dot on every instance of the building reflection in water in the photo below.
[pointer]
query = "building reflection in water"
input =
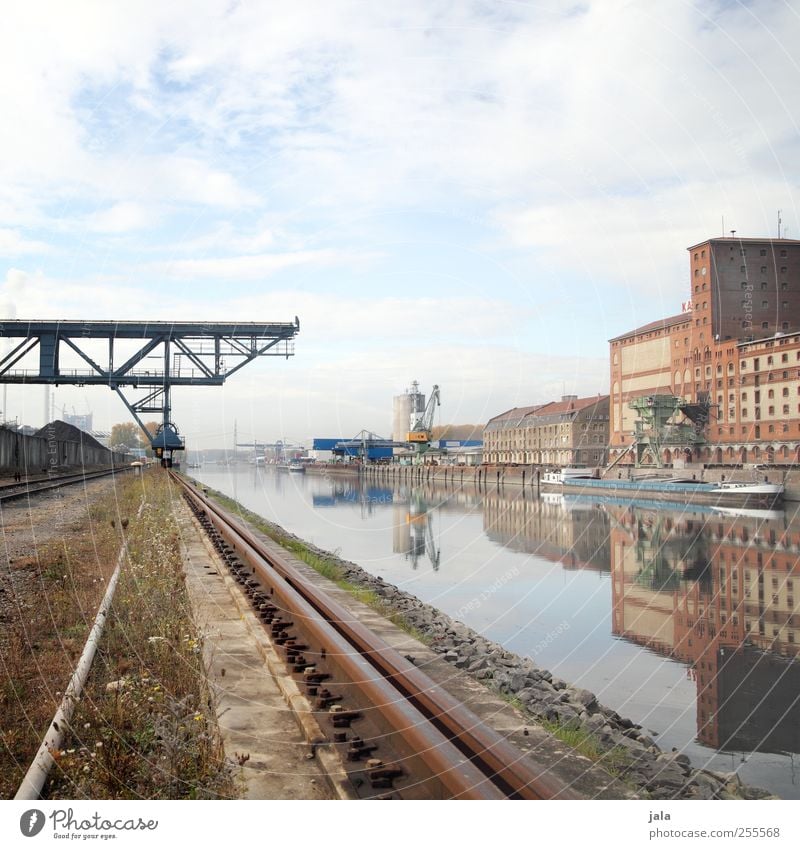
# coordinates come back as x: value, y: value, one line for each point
x: 717, y: 592
x: 712, y: 589
x: 577, y: 537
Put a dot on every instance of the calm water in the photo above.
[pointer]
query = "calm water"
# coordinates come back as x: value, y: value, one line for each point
x: 685, y: 620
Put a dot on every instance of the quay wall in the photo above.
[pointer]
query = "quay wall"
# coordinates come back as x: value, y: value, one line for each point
x: 530, y: 476
x: 31, y: 455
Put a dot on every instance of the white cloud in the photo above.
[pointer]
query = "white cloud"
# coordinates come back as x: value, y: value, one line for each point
x: 13, y: 243
x: 336, y: 104
x: 599, y: 139
x: 121, y: 218
x: 252, y: 266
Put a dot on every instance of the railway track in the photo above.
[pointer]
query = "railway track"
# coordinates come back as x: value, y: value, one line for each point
x: 399, y: 734
x: 10, y: 491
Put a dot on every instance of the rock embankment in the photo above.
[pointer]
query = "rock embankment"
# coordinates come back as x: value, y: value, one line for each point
x: 623, y: 745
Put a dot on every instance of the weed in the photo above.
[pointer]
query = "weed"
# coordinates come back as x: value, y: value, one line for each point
x: 145, y: 727
x: 613, y: 760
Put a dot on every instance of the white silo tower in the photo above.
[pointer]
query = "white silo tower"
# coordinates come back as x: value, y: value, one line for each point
x: 406, y: 409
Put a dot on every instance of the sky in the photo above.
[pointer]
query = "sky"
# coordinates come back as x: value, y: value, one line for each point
x: 472, y: 193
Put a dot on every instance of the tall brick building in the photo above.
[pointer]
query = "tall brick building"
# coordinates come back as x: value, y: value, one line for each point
x: 735, y: 346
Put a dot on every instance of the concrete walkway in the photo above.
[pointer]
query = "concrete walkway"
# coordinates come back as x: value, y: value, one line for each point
x: 258, y: 729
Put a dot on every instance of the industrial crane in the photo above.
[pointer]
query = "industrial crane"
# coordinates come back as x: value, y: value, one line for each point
x: 420, y: 433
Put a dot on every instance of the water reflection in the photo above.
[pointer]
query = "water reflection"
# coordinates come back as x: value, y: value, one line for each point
x: 683, y: 619
x: 713, y: 589
x: 717, y: 593
x: 412, y: 515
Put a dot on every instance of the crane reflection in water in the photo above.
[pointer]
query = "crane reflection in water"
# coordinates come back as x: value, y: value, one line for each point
x: 413, y: 516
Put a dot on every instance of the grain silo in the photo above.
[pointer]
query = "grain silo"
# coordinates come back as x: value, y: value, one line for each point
x: 406, y: 409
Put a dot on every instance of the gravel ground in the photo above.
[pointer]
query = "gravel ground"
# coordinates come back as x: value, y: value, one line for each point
x: 27, y: 525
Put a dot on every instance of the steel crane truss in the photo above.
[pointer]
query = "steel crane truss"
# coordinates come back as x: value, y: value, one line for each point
x: 189, y: 354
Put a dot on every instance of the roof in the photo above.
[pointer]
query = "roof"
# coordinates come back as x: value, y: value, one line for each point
x: 517, y: 413
x: 746, y: 241
x: 556, y: 408
x: 661, y: 324
x: 553, y: 408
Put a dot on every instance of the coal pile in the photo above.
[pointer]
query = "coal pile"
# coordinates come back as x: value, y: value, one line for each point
x: 63, y: 432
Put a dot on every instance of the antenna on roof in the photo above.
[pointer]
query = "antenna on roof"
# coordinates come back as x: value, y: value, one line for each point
x: 733, y: 234
x: 779, y: 224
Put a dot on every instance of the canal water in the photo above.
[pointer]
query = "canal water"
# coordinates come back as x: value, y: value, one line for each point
x: 685, y: 619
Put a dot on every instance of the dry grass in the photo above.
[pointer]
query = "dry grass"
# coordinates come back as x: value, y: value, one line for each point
x: 56, y: 590
x: 146, y: 727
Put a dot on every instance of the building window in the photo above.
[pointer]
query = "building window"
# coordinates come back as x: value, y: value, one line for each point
x: 784, y: 359
x: 763, y: 269
x: 786, y: 409
x: 783, y: 253
x: 743, y: 269
x: 784, y: 325
x: 763, y: 286
x: 744, y: 284
x: 763, y: 251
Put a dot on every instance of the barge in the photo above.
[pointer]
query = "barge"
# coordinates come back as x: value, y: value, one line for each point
x: 753, y: 494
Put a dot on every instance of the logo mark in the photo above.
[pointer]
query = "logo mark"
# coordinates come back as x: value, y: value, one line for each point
x: 31, y: 822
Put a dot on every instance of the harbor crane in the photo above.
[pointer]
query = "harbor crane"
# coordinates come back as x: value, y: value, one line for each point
x: 420, y: 433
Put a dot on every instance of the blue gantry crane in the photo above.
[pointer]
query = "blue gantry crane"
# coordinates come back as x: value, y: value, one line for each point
x: 185, y: 353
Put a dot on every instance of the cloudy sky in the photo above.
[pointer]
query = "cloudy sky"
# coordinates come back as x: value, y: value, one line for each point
x: 474, y: 193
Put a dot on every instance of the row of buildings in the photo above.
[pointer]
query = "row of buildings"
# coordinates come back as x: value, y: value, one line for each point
x: 717, y: 384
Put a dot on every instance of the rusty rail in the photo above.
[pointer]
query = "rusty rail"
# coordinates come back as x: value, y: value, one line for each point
x: 454, y: 754
x: 11, y: 491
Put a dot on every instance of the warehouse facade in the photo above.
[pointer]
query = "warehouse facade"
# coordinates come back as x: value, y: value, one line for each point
x: 735, y: 349
x: 569, y: 432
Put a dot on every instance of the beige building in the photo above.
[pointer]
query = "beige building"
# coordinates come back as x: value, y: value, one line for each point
x: 569, y: 432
